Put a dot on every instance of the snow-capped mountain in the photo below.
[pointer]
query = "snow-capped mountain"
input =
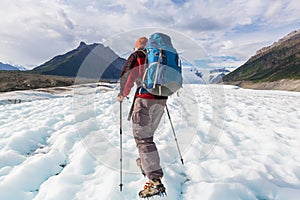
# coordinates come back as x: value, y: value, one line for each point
x: 204, y: 76
x: 192, y: 76
x: 10, y: 67
x: 216, y: 75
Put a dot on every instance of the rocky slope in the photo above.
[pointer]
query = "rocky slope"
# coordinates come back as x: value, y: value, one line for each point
x: 92, y: 61
x: 280, y: 61
x: 19, y: 80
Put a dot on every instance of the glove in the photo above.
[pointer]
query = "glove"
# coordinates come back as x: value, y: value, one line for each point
x: 120, y: 98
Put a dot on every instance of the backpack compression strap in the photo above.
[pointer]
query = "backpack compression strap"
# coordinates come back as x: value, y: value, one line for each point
x: 157, y: 68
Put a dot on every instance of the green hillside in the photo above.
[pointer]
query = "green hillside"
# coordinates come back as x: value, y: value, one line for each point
x: 277, y: 62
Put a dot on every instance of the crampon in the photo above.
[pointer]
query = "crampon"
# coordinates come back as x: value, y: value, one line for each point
x: 153, y: 188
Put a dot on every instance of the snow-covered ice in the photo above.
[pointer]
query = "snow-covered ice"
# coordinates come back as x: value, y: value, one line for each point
x: 236, y: 144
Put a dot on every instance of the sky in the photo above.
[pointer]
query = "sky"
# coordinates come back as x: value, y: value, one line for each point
x: 230, y: 31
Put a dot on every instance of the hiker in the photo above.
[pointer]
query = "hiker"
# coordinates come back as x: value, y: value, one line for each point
x: 147, y: 112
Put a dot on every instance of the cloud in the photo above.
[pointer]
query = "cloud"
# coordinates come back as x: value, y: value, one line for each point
x: 227, y: 44
x: 197, y: 23
x: 34, y: 31
x: 67, y: 21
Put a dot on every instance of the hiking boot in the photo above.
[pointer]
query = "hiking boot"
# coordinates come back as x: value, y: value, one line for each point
x: 152, y: 188
x: 139, y: 164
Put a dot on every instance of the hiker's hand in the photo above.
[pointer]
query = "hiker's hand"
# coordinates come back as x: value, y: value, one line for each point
x: 120, y: 98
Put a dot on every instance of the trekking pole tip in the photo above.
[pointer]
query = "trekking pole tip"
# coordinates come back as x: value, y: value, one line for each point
x: 182, y: 161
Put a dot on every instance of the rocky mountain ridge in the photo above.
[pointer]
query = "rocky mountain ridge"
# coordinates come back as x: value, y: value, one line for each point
x: 289, y: 37
x: 280, y: 61
x: 94, y: 61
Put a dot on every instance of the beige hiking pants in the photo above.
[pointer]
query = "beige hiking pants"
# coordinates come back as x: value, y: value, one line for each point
x: 146, y: 116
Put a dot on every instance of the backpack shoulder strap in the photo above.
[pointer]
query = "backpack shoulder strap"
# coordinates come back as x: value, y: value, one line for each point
x: 141, y: 51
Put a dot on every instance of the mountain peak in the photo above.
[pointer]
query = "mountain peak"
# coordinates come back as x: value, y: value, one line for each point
x: 82, y: 44
x: 69, y: 63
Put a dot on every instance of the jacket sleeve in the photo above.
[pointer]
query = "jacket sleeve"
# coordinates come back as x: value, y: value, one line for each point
x: 128, y: 75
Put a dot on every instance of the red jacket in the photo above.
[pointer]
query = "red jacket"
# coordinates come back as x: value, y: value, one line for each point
x: 133, y: 72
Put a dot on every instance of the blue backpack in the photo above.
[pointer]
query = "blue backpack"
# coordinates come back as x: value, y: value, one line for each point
x: 163, y: 74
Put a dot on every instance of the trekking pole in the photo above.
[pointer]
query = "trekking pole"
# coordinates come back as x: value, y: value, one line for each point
x: 121, y: 184
x: 174, y: 135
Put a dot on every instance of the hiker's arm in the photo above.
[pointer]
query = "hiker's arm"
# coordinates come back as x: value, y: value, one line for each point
x: 130, y: 81
x: 127, y: 76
